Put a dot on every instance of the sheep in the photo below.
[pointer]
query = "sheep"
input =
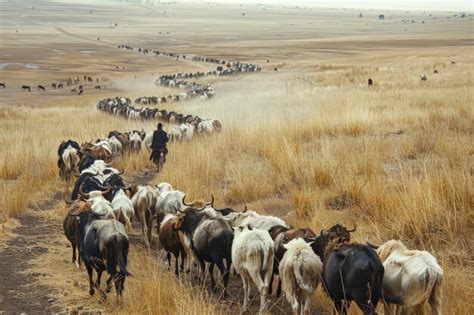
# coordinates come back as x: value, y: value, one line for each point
x: 300, y: 272
x: 252, y: 255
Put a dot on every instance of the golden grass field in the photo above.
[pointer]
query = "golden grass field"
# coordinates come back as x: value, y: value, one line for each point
x: 310, y: 143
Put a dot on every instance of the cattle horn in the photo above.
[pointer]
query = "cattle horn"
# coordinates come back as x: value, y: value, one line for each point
x: 212, y: 202
x: 68, y: 202
x: 105, y: 192
x: 121, y: 171
x: 245, y: 209
x: 375, y: 246
x: 184, y: 202
x: 86, y: 196
x: 353, y: 230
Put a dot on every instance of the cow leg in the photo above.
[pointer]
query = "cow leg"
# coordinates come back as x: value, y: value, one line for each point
x: 270, y: 286
x: 367, y: 309
x: 202, y: 276
x: 144, y: 230
x: 435, y: 299
x: 99, y: 275
x: 73, y: 252
x: 183, y: 258
x: 306, y: 305
x: 224, y: 273
x: 246, y: 285
x: 279, y: 287
x: 176, y: 269
x: 168, y: 257
x: 91, y: 282
x: 149, y: 223
x: 213, y: 281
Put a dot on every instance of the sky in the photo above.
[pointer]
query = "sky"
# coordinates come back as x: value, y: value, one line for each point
x: 428, y: 5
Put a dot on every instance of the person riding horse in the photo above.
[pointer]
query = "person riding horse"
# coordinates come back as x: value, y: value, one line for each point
x: 158, y: 144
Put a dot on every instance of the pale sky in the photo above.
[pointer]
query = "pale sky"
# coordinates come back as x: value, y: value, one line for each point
x: 428, y: 5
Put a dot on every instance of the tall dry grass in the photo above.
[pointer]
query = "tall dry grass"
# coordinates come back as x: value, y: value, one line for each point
x: 395, y: 159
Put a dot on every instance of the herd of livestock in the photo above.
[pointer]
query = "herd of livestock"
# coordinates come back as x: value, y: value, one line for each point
x: 186, y: 125
x: 258, y: 247
x: 179, y: 80
x: 76, y: 82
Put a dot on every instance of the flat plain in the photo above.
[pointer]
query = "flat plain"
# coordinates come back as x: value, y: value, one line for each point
x: 305, y: 139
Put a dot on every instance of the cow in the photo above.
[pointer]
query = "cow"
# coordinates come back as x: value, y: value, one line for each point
x: 170, y: 242
x: 351, y: 272
x: 413, y: 275
x: 282, y: 235
x: 371, y: 82
x: 69, y: 156
x: 86, y: 161
x: 212, y: 243
x: 60, y: 86
x: 257, y: 221
x: 80, y: 92
x: 41, y: 88
x: 104, y: 247
x: 144, y: 204
x: 25, y: 88
x: 135, y: 143
x: 97, y: 87
x: 115, y: 145
x: 423, y: 77
x: 300, y: 271
x: 123, y: 207
x: 3, y: 85
x: 252, y: 255
x: 71, y: 227
x: 98, y: 202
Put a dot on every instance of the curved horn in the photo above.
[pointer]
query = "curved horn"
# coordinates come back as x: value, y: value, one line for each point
x: 105, y: 192
x: 83, y: 194
x: 121, y: 171
x: 68, y: 202
x: 353, y: 230
x: 77, y: 174
x: 245, y: 209
x: 212, y: 202
x: 375, y: 246
x: 184, y: 202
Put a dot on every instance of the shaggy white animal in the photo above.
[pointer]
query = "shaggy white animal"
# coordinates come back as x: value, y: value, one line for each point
x: 123, y: 209
x: 300, y: 271
x: 413, y: 275
x: 252, y: 256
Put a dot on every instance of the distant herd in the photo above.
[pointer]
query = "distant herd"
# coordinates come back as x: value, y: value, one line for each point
x: 76, y: 82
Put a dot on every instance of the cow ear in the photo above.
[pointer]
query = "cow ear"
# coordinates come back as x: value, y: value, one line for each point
x: 285, y: 246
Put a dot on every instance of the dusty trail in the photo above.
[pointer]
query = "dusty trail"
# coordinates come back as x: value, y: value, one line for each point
x: 20, y: 289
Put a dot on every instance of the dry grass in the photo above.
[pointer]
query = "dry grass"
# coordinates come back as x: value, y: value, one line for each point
x: 318, y: 151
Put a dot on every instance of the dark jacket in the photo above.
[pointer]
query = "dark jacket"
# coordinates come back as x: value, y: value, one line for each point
x: 160, y: 137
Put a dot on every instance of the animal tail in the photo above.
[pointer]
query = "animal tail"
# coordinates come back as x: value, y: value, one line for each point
x: 298, y: 266
x: 112, y: 258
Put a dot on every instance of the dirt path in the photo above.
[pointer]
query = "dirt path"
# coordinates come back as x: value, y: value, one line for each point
x: 20, y: 289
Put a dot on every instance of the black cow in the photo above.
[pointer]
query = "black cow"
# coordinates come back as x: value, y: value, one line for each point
x: 41, y: 88
x: 25, y: 88
x: 86, y: 161
x: 3, y: 85
x: 354, y: 272
x: 211, y: 241
x: 371, y: 82
x: 104, y: 247
x: 88, y: 183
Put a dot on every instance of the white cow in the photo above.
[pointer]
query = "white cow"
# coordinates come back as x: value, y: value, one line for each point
x: 71, y: 159
x: 413, y: 275
x: 252, y: 256
x: 257, y: 221
x: 175, y: 133
x: 300, y: 272
x: 123, y: 208
x: 144, y: 202
x: 115, y: 145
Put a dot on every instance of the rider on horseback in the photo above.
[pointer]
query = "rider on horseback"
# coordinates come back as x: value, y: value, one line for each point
x: 158, y: 144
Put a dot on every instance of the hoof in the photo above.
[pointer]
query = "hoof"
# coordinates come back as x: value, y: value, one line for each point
x: 91, y: 291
